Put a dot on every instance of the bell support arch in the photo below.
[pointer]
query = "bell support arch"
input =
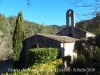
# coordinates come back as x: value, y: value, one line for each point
x: 70, y: 20
x: 70, y: 24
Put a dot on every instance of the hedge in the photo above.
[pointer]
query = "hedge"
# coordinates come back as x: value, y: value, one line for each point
x: 49, y: 68
x: 43, y: 55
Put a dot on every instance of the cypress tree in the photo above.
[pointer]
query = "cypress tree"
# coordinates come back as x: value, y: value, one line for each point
x: 18, y: 37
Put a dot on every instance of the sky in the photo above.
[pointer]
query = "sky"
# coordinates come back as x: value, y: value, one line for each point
x: 47, y: 12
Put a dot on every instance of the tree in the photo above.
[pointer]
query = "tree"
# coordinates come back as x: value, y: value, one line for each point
x: 96, y: 60
x: 97, y: 20
x: 97, y: 40
x: 78, y: 64
x: 93, y: 5
x: 18, y: 37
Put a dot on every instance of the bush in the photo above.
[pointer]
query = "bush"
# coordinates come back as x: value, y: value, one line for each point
x: 81, y: 58
x: 68, y: 59
x: 43, y: 55
x: 78, y: 63
x: 41, y: 69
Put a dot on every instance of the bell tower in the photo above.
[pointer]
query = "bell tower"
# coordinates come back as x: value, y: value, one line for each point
x: 70, y: 23
x: 70, y: 19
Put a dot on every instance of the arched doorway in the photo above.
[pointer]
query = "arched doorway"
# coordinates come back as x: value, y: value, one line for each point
x: 31, y: 55
x: 36, y: 45
x: 24, y: 54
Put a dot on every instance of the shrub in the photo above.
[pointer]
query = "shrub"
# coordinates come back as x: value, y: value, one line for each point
x: 40, y: 69
x: 81, y: 58
x: 43, y: 55
x: 68, y: 59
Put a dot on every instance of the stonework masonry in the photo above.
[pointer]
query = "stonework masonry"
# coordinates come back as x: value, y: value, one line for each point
x: 65, y: 40
x: 71, y: 30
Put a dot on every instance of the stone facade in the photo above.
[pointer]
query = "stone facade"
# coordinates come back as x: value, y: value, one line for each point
x: 71, y: 30
x: 65, y: 40
x: 69, y: 49
x: 75, y: 32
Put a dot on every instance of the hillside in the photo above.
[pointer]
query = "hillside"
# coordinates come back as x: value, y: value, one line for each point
x: 7, y: 25
x: 91, y: 25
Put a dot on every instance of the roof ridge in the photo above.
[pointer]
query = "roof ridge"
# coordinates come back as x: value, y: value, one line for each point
x: 59, y: 38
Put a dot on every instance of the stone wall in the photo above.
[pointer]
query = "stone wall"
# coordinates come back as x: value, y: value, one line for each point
x: 37, y: 39
x: 69, y: 50
x: 62, y: 32
x: 76, y: 33
x: 89, y: 35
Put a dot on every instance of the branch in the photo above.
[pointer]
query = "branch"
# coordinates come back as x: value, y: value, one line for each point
x: 95, y: 5
x: 28, y: 3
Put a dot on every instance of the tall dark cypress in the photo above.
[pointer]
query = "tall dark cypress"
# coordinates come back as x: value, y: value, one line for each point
x: 18, y: 37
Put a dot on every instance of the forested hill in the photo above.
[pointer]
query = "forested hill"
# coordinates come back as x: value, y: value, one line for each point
x: 7, y: 25
x: 92, y: 25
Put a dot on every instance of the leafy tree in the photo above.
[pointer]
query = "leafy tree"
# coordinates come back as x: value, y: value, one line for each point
x: 18, y: 36
x: 92, y: 25
x: 90, y: 50
x: 78, y: 63
x: 96, y: 21
x: 97, y: 59
x: 97, y: 40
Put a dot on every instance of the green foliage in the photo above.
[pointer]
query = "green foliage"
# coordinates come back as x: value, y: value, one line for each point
x: 32, y: 28
x: 97, y: 55
x: 97, y: 40
x: 80, y: 45
x: 97, y: 52
x: 49, y: 68
x: 88, y: 53
x: 83, y: 46
x: 96, y: 59
x: 78, y: 63
x: 68, y: 58
x: 18, y: 36
x: 2, y: 36
x: 43, y: 55
x: 92, y: 25
x: 81, y: 58
x: 8, y: 24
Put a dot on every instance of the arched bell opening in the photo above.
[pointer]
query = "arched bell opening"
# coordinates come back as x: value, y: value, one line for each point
x: 70, y: 35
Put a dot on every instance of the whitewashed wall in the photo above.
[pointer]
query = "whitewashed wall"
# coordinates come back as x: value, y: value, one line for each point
x: 89, y: 35
x: 67, y: 49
